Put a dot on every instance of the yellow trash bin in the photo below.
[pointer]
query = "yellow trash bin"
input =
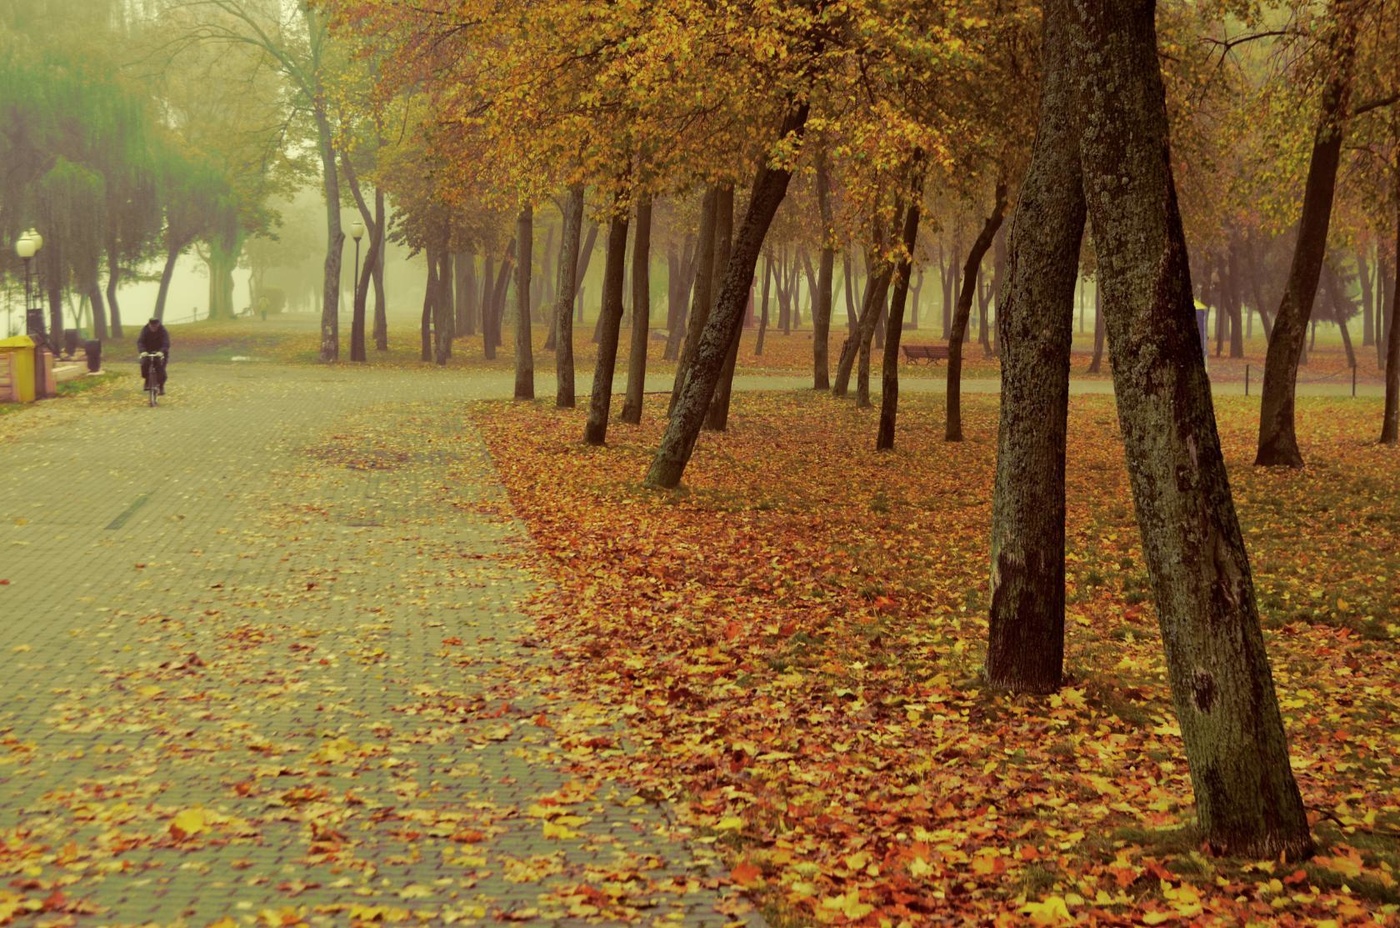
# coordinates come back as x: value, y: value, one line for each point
x: 17, y: 369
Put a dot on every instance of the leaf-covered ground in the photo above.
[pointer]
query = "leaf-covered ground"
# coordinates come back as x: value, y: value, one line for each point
x: 795, y: 641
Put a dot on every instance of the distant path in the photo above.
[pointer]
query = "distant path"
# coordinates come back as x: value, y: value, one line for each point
x: 263, y: 654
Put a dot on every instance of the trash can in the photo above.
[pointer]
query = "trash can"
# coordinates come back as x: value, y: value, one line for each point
x: 93, y: 350
x: 70, y: 342
x: 17, y: 369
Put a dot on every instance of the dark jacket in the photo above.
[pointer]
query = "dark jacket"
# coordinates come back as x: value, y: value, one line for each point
x: 157, y: 339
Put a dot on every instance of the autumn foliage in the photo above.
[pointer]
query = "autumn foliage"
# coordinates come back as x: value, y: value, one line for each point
x: 794, y: 641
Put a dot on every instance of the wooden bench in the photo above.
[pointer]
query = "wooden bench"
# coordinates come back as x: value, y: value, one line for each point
x: 929, y: 353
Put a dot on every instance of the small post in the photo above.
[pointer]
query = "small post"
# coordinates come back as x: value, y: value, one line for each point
x: 1246, y: 380
x: 1353, y: 381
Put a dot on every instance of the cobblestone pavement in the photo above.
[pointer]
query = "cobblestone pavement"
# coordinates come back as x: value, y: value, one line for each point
x: 265, y: 665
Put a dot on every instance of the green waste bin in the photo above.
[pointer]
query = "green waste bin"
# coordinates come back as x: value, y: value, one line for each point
x: 17, y: 369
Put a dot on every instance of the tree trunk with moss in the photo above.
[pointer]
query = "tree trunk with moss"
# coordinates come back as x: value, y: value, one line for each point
x: 641, y: 313
x: 595, y: 432
x: 1278, y: 440
x: 1035, y: 316
x: 769, y: 189
x: 1247, y: 802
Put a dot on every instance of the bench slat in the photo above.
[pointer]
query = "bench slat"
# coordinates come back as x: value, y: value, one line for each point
x: 928, y: 353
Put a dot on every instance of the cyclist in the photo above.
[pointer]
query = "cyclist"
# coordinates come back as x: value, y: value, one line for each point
x: 155, y: 337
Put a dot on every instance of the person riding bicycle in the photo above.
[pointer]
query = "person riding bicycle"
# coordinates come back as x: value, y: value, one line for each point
x: 155, y: 338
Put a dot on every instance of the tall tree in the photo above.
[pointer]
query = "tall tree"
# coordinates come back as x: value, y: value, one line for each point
x: 702, y: 374
x: 595, y: 431
x: 1278, y: 441
x: 524, y: 348
x: 572, y: 217
x: 958, y: 334
x: 295, y: 39
x: 641, y: 312
x: 889, y: 369
x: 1247, y: 802
x: 1025, y: 639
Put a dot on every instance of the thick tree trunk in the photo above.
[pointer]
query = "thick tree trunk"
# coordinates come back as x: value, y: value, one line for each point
x: 718, y: 416
x: 889, y: 368
x: 641, y: 313
x: 700, y: 294
x: 953, y: 426
x: 572, y: 219
x: 524, y: 344
x: 769, y: 189
x: 1278, y: 441
x: 595, y: 432
x: 1035, y: 319
x: 1247, y: 802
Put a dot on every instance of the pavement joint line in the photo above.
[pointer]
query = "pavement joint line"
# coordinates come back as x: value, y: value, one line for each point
x: 301, y: 629
x: 130, y: 511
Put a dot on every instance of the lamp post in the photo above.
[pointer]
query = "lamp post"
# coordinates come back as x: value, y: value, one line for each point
x: 28, y: 245
x: 357, y: 231
x: 357, y: 319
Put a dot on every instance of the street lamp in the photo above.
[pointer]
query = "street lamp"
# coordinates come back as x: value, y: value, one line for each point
x: 357, y: 231
x: 28, y: 245
x: 357, y: 318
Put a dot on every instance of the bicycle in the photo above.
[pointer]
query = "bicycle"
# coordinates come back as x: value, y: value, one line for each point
x: 153, y: 374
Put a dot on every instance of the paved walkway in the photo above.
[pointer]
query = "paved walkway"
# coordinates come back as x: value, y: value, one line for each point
x: 264, y: 665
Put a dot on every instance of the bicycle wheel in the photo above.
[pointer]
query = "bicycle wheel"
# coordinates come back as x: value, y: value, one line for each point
x: 153, y: 387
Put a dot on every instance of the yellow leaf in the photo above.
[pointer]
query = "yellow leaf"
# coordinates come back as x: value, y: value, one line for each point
x: 189, y: 822
x: 730, y: 823
x: 1051, y: 910
x: 551, y: 830
x: 848, y: 905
